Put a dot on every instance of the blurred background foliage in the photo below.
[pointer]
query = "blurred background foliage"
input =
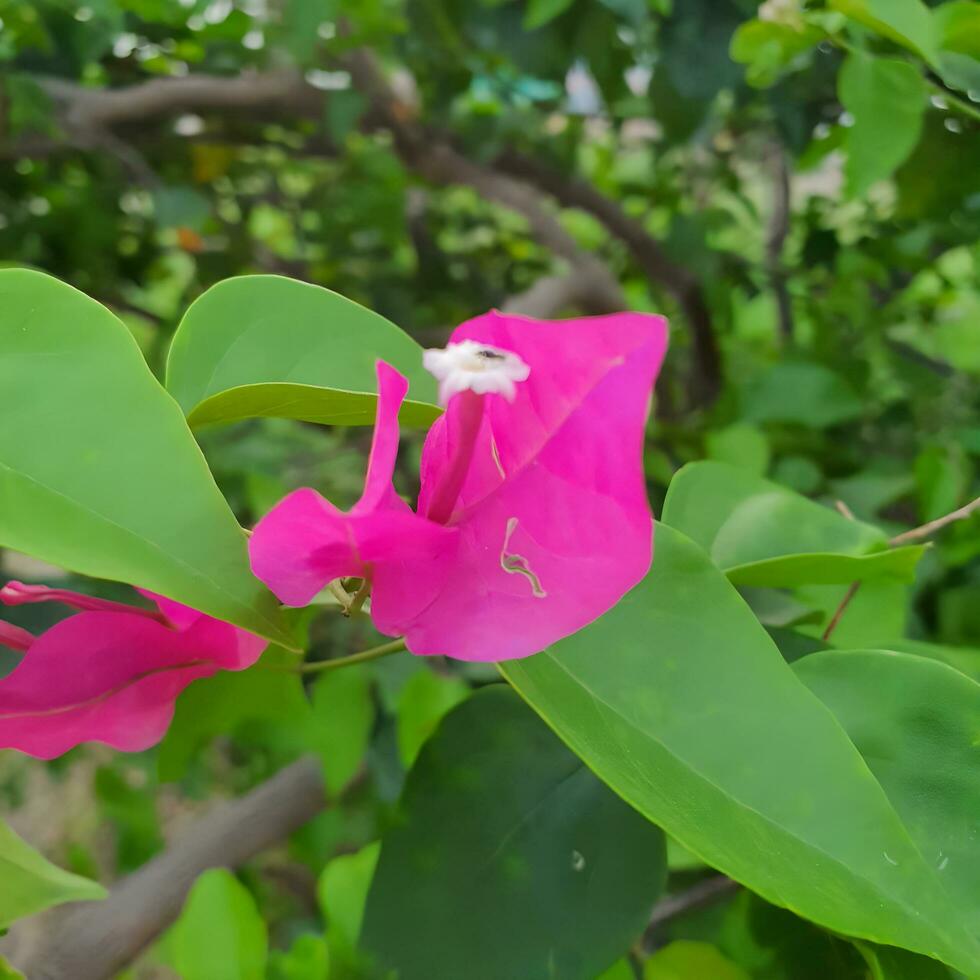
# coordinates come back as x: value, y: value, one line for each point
x: 797, y: 186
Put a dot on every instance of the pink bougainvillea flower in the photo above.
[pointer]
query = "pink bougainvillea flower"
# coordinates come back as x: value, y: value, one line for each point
x: 532, y: 517
x: 109, y: 673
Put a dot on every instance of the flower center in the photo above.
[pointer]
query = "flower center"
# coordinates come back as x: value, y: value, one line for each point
x: 472, y: 366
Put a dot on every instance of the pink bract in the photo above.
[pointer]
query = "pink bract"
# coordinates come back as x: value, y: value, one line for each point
x: 533, y: 518
x: 109, y: 673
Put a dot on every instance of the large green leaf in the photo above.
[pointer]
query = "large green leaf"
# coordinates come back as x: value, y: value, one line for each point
x: 887, y: 99
x: 915, y: 721
x: 679, y: 700
x: 266, y: 345
x: 906, y: 22
x: 508, y: 857
x: 763, y: 534
x: 220, y: 934
x: 98, y: 470
x: 29, y: 883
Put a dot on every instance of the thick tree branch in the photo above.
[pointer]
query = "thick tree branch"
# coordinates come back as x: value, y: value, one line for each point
x: 676, y: 280
x: 94, y: 941
x: 437, y: 161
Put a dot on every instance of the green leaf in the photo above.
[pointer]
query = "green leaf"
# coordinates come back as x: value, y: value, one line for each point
x: 31, y: 883
x: 220, y: 934
x: 964, y: 659
x: 887, y: 99
x: 958, y: 26
x: 739, y: 445
x: 915, y: 721
x: 342, y: 893
x: 265, y: 345
x: 804, y: 394
x: 423, y: 701
x: 889, y: 963
x: 768, y: 48
x: 541, y: 12
x: 218, y: 705
x: 503, y: 833
x: 906, y: 22
x: 342, y: 718
x: 7, y: 972
x: 705, y: 730
x: 762, y: 534
x: 98, y: 471
x: 685, y: 959
x: 307, y: 959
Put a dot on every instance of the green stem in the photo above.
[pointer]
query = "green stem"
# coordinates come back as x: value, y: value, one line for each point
x: 375, y: 653
x: 954, y: 101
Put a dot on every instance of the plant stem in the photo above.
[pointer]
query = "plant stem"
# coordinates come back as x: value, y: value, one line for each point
x: 954, y: 101
x: 938, y: 524
x: 374, y: 653
x: 844, y: 603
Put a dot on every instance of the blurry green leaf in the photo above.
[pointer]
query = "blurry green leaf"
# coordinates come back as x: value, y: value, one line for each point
x: 132, y: 810
x: 941, y: 476
x: 739, y: 445
x: 906, y: 22
x: 808, y: 394
x: 265, y: 345
x: 343, y: 716
x: 101, y: 475
x: 540, y: 12
x: 915, y: 721
x: 684, y: 959
x: 219, y: 704
x: 220, y: 934
x: 342, y: 892
x: 344, y: 108
x: 620, y: 970
x: 423, y: 701
x: 180, y: 207
x: 964, y: 659
x: 767, y: 48
x: 959, y: 615
x: 877, y: 611
x: 887, y: 99
x: 300, y: 20
x: 762, y: 534
x: 958, y: 26
x: 7, y: 972
x: 760, y: 780
x: 798, y: 473
x: 306, y: 959
x: 31, y: 883
x: 496, y: 806
x: 889, y: 963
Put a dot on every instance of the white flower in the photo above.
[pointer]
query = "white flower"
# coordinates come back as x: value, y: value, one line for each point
x: 472, y: 366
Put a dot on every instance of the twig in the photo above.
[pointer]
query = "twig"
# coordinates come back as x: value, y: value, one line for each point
x: 704, y: 893
x: 95, y: 941
x: 375, y: 653
x: 918, y: 533
x: 845, y: 510
x: 840, y: 610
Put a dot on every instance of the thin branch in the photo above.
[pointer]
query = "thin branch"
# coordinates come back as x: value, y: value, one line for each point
x: 375, y: 653
x: 95, y: 941
x: 661, y: 271
x: 840, y: 610
x: 918, y: 533
x: 698, y: 896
